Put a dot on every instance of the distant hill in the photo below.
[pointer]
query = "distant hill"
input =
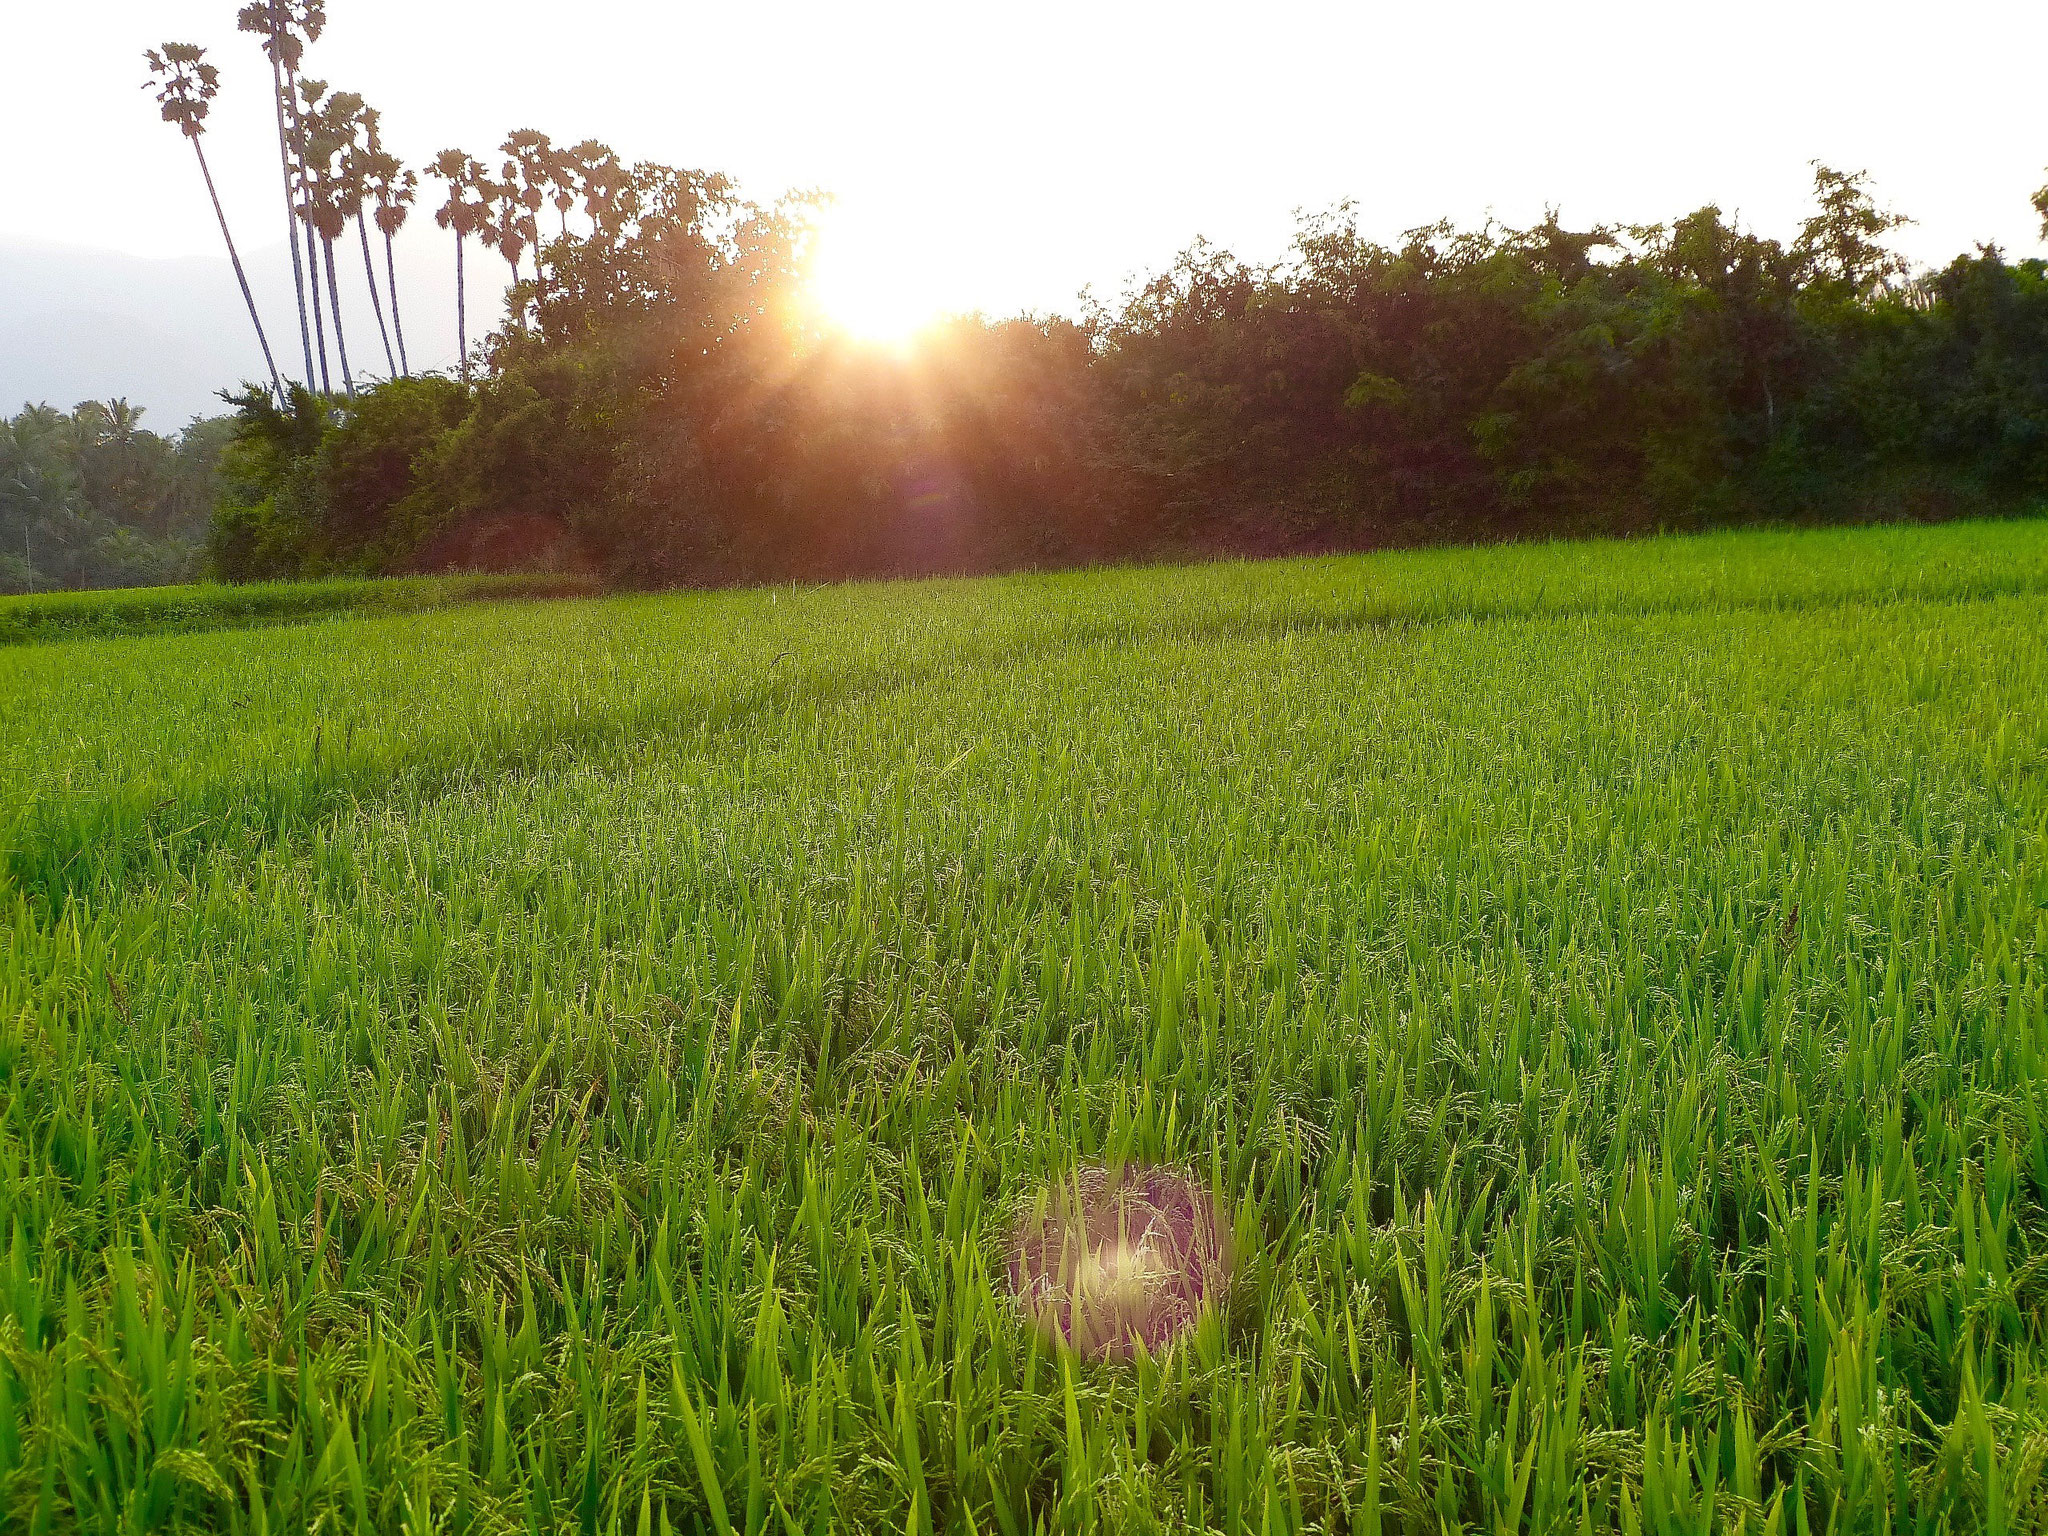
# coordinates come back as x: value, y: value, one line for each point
x: 78, y: 323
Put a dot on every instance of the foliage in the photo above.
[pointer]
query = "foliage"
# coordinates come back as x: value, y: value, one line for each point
x: 664, y: 406
x: 1478, y: 383
x: 266, y: 524
x: 1843, y: 243
x: 187, y: 85
x: 572, y: 1066
x: 364, y: 465
x: 188, y: 609
x: 92, y: 498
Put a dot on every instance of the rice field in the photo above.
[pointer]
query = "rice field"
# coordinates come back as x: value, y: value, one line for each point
x: 153, y: 610
x: 580, y: 1066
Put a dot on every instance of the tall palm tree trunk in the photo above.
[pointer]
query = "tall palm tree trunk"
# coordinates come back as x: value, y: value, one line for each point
x: 313, y: 285
x: 241, y: 277
x: 376, y: 304
x: 461, y: 313
x: 397, y: 320
x: 291, y: 218
x: 334, y: 308
x: 291, y: 80
x: 319, y: 326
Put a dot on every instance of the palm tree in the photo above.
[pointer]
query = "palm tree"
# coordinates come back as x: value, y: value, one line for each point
x: 393, y: 188
x: 326, y: 129
x: 304, y: 21
x: 565, y: 168
x: 352, y: 189
x: 528, y: 175
x: 186, y: 94
x: 464, y: 213
x: 503, y: 229
x: 605, y: 185
x: 269, y: 20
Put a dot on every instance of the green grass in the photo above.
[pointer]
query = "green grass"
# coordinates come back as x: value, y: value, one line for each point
x: 573, y: 1066
x: 155, y: 610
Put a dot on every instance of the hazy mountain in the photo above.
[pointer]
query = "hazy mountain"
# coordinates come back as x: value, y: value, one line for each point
x: 79, y: 324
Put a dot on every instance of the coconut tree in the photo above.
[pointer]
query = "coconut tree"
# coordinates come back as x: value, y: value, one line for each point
x: 327, y: 127
x: 465, y: 213
x: 185, y: 85
x: 281, y: 31
x: 392, y: 188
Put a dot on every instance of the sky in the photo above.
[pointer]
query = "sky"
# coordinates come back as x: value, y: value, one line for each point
x: 1002, y: 158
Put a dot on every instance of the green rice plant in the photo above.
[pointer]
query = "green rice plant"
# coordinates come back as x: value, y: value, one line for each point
x: 154, y: 610
x: 577, y: 1066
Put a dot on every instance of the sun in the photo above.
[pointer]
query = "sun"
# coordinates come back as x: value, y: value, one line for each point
x: 868, y: 281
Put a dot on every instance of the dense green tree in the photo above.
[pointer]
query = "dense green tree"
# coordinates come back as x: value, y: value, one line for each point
x: 264, y: 526
x: 1845, y: 238
x: 92, y: 498
x: 319, y: 488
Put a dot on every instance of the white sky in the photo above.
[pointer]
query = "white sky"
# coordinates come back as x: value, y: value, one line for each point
x: 1016, y: 153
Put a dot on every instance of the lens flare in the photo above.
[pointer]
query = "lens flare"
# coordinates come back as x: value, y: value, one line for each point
x: 867, y: 280
x: 1109, y: 1262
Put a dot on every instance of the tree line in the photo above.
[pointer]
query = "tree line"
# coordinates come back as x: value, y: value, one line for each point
x: 664, y: 404
x: 90, y: 498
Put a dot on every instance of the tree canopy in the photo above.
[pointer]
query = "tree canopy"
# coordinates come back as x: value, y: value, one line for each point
x: 91, y: 498
x: 665, y: 405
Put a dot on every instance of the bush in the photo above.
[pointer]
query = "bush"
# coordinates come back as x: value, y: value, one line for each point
x: 364, y: 474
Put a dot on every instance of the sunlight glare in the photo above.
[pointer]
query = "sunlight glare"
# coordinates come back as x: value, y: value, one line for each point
x: 867, y: 279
